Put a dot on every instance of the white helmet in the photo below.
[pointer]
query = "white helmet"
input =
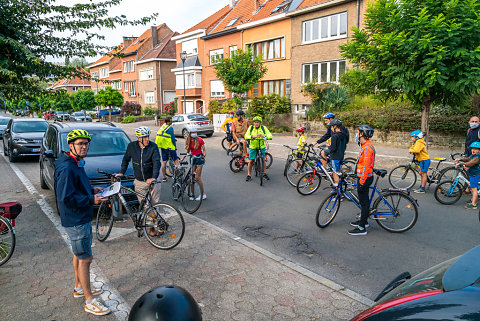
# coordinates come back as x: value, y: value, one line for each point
x: 142, y: 131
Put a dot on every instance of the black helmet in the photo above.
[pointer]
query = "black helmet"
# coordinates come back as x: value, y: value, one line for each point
x: 367, y: 130
x: 335, y: 122
x: 166, y: 303
x: 240, y: 112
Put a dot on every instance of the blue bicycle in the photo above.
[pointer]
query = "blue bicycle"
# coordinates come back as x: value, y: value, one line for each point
x: 394, y: 209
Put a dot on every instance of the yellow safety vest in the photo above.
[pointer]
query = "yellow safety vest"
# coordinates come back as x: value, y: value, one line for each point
x: 164, y: 140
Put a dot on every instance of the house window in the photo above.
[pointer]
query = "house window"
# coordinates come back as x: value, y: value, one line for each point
x: 233, y: 50
x: 128, y: 66
x: 190, y: 47
x: 192, y: 80
x: 149, y: 97
x: 146, y: 74
x: 216, y: 56
x: 129, y: 87
x: 272, y: 86
x: 74, y: 89
x: 325, y: 28
x: 270, y: 50
x: 95, y: 75
x: 104, y: 72
x: 216, y: 88
x: 327, y: 71
x: 255, y: 90
x: 117, y: 85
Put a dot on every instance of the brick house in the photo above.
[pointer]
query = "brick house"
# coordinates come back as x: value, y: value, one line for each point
x: 73, y: 84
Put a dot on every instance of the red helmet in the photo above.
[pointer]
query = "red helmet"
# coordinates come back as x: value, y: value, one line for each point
x: 301, y: 129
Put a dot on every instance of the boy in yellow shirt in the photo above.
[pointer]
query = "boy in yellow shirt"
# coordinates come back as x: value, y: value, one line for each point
x: 419, y: 148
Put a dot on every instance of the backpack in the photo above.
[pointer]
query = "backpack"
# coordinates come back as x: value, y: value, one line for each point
x: 251, y: 128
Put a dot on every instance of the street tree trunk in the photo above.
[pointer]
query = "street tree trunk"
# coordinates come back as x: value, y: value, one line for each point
x: 109, y: 113
x: 426, y: 104
x: 84, y: 116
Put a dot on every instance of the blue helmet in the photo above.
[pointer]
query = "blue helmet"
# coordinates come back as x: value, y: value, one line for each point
x: 417, y: 134
x: 475, y: 145
x: 329, y: 115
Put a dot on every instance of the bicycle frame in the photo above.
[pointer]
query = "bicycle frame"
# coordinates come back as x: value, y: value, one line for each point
x: 320, y: 166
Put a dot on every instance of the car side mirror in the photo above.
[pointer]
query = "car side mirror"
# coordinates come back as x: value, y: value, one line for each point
x: 48, y: 154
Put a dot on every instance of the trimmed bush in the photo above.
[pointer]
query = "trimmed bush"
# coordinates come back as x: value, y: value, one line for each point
x: 149, y: 111
x: 128, y: 119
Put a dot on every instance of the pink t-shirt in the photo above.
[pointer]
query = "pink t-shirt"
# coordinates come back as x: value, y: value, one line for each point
x: 197, y: 151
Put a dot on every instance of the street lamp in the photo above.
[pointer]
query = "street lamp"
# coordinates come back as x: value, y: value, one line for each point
x: 183, y: 56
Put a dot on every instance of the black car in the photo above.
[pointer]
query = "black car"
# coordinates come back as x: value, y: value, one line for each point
x: 106, y: 151
x: 448, y: 291
x: 61, y: 116
x: 23, y: 137
x: 3, y: 124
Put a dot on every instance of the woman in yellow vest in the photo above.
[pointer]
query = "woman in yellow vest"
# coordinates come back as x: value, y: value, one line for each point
x: 167, y: 143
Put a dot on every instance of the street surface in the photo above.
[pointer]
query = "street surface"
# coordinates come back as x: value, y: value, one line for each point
x: 259, y: 257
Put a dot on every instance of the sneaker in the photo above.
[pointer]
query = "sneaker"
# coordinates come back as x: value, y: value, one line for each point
x: 357, y: 224
x: 79, y: 293
x: 164, y: 179
x: 192, y: 198
x: 266, y: 177
x: 97, y: 308
x: 358, y: 231
x: 420, y: 190
x: 471, y: 206
x: 249, y: 178
x: 204, y: 197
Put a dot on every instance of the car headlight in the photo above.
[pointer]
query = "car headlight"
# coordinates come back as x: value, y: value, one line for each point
x: 20, y: 141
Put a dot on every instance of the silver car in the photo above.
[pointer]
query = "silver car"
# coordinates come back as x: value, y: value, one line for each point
x: 79, y: 116
x: 183, y: 123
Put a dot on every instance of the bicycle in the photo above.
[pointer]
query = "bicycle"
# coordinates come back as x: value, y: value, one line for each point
x: 391, y: 207
x: 7, y: 240
x: 161, y: 223
x: 259, y: 161
x: 452, y: 190
x: 296, y: 167
x: 186, y: 187
x: 169, y: 166
x: 226, y: 140
x: 237, y: 163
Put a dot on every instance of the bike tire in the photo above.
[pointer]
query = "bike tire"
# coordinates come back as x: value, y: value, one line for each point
x: 450, y: 173
x: 402, y: 177
x: 399, y: 201
x: 7, y: 240
x: 268, y: 160
x: 289, y: 158
x: 104, y: 221
x: 192, y: 196
x: 163, y: 226
x: 295, y: 171
x: 309, y: 183
x: 225, y: 143
x: 348, y: 165
x: 169, y: 167
x: 327, y: 210
x: 447, y: 193
x: 259, y: 168
x: 235, y: 164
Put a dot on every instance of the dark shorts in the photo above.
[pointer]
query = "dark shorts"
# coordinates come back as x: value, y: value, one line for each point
x: 197, y: 161
x: 81, y: 240
x: 229, y: 137
x: 335, y: 165
x: 424, y: 165
x: 166, y: 153
x: 474, y: 181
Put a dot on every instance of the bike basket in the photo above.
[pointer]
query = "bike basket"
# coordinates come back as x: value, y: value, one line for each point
x: 10, y: 210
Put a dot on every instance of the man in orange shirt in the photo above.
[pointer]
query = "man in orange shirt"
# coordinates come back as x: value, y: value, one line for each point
x: 364, y: 170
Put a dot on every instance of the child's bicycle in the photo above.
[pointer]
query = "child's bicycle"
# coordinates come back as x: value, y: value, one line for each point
x: 237, y: 163
x: 449, y: 192
x: 186, y: 188
x: 8, y: 213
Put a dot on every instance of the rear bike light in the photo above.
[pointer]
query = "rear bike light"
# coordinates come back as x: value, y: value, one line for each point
x: 386, y: 305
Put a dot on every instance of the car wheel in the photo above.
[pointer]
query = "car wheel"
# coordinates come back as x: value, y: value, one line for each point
x: 43, y: 185
x: 11, y: 157
x: 185, y: 133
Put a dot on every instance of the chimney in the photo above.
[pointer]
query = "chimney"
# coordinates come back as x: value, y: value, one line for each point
x: 127, y: 41
x: 231, y: 3
x: 154, y: 36
x: 255, y: 5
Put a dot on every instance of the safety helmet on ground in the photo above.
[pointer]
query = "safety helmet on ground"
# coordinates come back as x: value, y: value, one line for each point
x: 76, y: 134
x: 257, y: 118
x: 335, y: 122
x: 417, y: 134
x: 142, y: 131
x: 366, y: 130
x: 166, y: 303
x: 329, y: 115
x: 240, y: 112
x: 475, y: 145
x: 301, y: 129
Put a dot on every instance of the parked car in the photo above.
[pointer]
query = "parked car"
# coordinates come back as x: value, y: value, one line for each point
x: 79, y: 116
x: 61, y: 116
x: 183, y: 123
x: 49, y: 115
x: 23, y: 137
x: 3, y: 124
x: 106, y: 151
x: 20, y: 112
x: 105, y: 112
x: 448, y: 291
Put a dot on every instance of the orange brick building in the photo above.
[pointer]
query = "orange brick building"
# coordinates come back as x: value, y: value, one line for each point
x: 71, y: 85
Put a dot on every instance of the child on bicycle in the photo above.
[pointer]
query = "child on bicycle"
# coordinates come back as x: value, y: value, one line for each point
x: 419, y: 148
x: 336, y: 150
x: 302, y: 141
x: 473, y: 164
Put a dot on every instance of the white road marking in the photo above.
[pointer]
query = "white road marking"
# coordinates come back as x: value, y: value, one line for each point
x: 110, y: 295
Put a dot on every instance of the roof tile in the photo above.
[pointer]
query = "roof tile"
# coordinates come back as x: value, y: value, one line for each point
x: 211, y: 21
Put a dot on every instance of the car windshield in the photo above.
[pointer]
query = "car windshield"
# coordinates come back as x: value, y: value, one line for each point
x: 103, y: 143
x: 29, y: 126
x: 197, y: 117
x: 4, y: 121
x: 78, y: 114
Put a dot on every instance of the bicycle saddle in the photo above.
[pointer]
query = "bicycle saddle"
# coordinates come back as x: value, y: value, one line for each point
x: 380, y: 172
x: 440, y: 159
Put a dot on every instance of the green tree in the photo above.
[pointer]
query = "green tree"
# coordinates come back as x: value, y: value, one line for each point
x: 62, y: 101
x: 427, y: 51
x: 84, y: 100
x: 31, y: 30
x: 109, y: 97
x: 240, y: 72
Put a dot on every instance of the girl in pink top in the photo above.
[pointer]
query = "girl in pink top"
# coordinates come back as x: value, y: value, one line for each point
x: 196, y: 146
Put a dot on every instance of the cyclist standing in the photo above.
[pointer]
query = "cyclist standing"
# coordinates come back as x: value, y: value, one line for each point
x: 364, y: 171
x: 473, y: 164
x: 145, y: 161
x: 196, y: 146
x: 167, y: 143
x: 257, y: 130
x: 473, y: 134
x: 227, y: 128
x: 337, y: 148
x: 239, y: 128
x: 328, y: 117
x: 419, y: 148
x: 75, y: 199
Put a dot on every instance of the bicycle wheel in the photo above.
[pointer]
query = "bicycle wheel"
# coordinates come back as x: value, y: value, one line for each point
x: 289, y: 158
x: 7, y: 240
x: 170, y: 167
x: 268, y: 160
x: 348, y: 165
x: 450, y: 173
x: 176, y: 190
x: 236, y: 164
x: 327, y: 210
x: 309, y: 183
x: 259, y: 168
x: 448, y: 192
x: 163, y: 225
x: 404, y: 215
x: 225, y: 143
x: 104, y: 221
x: 192, y: 196
x: 295, y: 171
x: 402, y: 177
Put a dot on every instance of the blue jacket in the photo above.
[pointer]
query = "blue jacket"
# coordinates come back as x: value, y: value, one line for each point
x: 74, y: 193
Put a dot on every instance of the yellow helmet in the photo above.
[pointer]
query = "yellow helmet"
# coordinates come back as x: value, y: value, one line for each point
x: 78, y: 133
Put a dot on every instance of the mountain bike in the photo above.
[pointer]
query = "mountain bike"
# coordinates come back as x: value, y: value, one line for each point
x: 185, y: 186
x: 237, y: 163
x: 394, y: 209
x: 297, y: 166
x: 259, y: 161
x: 225, y: 143
x: 449, y: 192
x: 161, y: 223
x: 169, y: 166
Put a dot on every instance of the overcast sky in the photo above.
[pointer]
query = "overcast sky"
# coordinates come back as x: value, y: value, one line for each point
x: 179, y: 15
